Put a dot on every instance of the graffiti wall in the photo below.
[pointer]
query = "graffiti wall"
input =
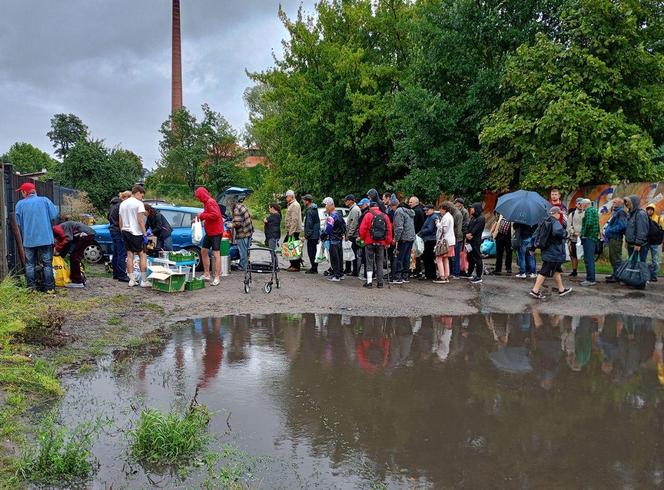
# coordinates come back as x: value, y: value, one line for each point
x: 601, y: 196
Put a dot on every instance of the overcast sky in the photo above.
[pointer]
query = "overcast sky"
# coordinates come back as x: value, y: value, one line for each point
x: 109, y: 62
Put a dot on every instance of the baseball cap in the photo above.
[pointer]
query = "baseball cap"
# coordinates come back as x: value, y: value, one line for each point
x: 349, y: 197
x: 26, y: 187
x: 363, y: 202
x: 308, y: 197
x: 428, y: 206
x: 459, y: 200
x: 328, y: 201
x: 554, y: 210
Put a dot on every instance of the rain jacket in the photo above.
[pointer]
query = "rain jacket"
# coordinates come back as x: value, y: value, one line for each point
x: 114, y: 216
x: 365, y: 228
x: 420, y: 217
x: 617, y: 224
x: 335, y: 227
x: 404, y: 224
x: 312, y: 223
x: 375, y: 197
x: 353, y: 223
x: 458, y: 224
x: 428, y: 231
x: 211, y: 216
x: 293, y: 218
x: 66, y: 232
x: 476, y: 225
x: 159, y: 225
x: 637, y: 226
x: 554, y: 248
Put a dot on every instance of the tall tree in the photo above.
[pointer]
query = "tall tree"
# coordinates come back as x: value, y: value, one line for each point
x: 27, y: 158
x: 587, y: 103
x: 66, y: 130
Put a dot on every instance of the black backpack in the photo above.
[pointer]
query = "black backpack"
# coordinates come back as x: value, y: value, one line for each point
x: 655, y: 233
x: 378, y: 230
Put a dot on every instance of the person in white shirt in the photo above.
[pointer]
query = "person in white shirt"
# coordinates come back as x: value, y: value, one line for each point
x: 132, y: 225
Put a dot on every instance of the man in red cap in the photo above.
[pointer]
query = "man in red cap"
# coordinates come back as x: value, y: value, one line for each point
x: 34, y: 216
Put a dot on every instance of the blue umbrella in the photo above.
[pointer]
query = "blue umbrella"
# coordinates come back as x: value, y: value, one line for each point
x: 523, y: 207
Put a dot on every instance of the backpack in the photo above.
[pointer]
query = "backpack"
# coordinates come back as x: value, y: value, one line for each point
x: 540, y: 238
x: 378, y: 230
x: 655, y: 233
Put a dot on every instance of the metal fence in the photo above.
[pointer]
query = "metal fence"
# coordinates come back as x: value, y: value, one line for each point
x: 10, y: 249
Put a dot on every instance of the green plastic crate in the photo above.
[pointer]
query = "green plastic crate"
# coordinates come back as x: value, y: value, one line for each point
x: 194, y: 284
x: 173, y: 257
x: 174, y: 284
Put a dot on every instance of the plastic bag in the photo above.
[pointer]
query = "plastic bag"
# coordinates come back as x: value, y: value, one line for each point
x: 61, y: 272
x: 347, y: 247
x: 292, y: 249
x: 322, y: 253
x: 196, y: 232
x: 579, y: 249
x: 469, y: 247
x: 633, y: 272
x: 418, y: 246
x: 463, y: 261
x: 488, y: 247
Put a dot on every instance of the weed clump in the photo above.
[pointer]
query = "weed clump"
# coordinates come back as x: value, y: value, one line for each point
x: 169, y: 438
x: 60, y: 455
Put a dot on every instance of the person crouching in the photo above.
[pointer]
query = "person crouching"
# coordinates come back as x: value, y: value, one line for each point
x: 73, y: 237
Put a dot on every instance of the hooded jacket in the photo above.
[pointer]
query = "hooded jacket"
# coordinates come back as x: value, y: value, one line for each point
x: 637, y: 226
x: 353, y: 223
x: 458, y: 224
x: 159, y: 225
x: 211, y: 216
x: 615, y: 228
x: 476, y: 225
x: 375, y: 197
x: 66, y: 232
x: 365, y: 228
x: 114, y: 216
x: 312, y: 223
x: 404, y: 224
x: 420, y: 217
x: 428, y: 231
x: 554, y: 249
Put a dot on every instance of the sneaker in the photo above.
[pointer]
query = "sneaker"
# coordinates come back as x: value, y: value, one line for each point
x: 123, y: 279
x: 405, y: 281
x: 446, y: 280
x: 588, y: 283
x: 537, y: 295
x: 132, y: 282
x: 334, y: 279
x: 367, y: 285
x: 653, y: 279
x: 311, y: 272
x: 396, y: 281
x: 75, y: 285
x: 362, y: 278
x: 216, y: 281
x: 342, y: 277
x: 564, y: 292
x: 476, y: 280
x: 380, y: 285
x: 439, y: 281
x: 521, y: 276
x: 573, y: 274
x: 533, y: 276
x: 206, y: 278
x: 146, y: 284
x: 456, y: 277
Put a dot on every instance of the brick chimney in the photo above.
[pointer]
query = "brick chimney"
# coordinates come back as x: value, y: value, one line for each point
x: 176, y: 88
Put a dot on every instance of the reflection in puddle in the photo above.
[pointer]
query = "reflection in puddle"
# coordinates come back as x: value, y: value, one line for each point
x: 338, y: 401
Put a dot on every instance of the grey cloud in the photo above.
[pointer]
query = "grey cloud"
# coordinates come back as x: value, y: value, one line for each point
x: 109, y: 62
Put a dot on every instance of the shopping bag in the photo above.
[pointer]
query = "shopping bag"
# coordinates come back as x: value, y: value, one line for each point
x: 418, y: 246
x: 347, y: 247
x: 579, y: 249
x: 488, y: 247
x: 469, y: 247
x: 633, y: 272
x: 292, y: 249
x: 61, y: 272
x: 321, y: 252
x: 463, y: 261
x: 196, y: 232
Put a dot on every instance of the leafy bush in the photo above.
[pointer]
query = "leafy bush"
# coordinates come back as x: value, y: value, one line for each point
x: 60, y: 456
x: 168, y: 438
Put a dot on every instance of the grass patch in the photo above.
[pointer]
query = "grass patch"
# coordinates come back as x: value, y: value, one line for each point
x: 60, y: 455
x: 15, y: 404
x: 115, y: 321
x: 153, y: 307
x: 170, y: 438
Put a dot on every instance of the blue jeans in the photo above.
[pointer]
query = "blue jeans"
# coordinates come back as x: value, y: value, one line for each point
x: 119, y: 260
x: 589, y: 247
x: 401, y: 265
x: 643, y: 254
x: 45, y: 256
x: 654, y: 267
x: 527, y: 262
x: 243, y: 245
x: 456, y: 260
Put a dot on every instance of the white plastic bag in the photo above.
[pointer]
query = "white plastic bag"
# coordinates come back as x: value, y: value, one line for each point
x: 321, y: 252
x: 418, y: 246
x: 347, y: 247
x: 469, y: 248
x: 196, y: 232
x: 579, y: 249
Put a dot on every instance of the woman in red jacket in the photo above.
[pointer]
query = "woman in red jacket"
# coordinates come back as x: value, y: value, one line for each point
x: 213, y: 222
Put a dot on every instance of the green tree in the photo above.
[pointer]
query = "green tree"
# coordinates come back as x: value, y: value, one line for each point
x: 66, y: 131
x: 587, y: 102
x: 27, y: 158
x: 102, y: 173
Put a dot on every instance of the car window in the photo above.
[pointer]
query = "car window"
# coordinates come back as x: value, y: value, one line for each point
x: 175, y: 218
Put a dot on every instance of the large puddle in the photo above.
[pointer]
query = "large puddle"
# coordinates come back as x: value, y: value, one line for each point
x: 334, y: 401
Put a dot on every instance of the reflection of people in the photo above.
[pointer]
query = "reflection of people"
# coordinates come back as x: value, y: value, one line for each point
x: 442, y: 336
x: 373, y: 354
x: 213, y: 353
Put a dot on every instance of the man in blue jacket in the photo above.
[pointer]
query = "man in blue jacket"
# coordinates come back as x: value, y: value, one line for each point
x: 311, y: 231
x: 614, y: 233
x: 34, y: 216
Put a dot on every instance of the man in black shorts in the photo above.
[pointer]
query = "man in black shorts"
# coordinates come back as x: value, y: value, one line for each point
x: 550, y: 238
x: 132, y: 225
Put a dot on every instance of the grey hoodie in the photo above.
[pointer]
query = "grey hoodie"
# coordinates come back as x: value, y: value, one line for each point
x: 637, y: 226
x: 404, y: 224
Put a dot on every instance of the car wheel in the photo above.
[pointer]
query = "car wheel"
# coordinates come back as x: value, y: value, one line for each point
x: 197, y: 251
x: 93, y: 253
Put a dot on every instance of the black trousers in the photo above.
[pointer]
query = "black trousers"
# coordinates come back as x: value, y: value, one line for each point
x: 311, y: 252
x: 351, y: 265
x: 429, y: 259
x: 503, y: 247
x: 336, y: 259
x: 475, y: 261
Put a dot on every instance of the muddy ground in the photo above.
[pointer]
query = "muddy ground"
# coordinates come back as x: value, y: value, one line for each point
x: 121, y: 312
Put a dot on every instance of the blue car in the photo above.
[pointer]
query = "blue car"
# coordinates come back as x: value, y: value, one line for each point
x: 180, y: 219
